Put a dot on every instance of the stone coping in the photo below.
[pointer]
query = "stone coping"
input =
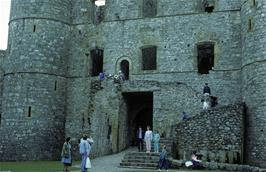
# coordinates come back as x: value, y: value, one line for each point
x: 219, y: 166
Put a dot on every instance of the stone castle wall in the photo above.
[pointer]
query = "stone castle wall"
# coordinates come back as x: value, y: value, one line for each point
x: 253, y: 74
x: 218, y: 134
x: 34, y: 83
x: 50, y: 43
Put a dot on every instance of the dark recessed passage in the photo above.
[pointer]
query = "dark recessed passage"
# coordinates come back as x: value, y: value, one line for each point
x: 139, y: 112
x: 34, y: 28
x: 97, y: 61
x: 29, y: 111
x: 205, y: 57
x: 149, y: 58
x: 124, y: 66
x: 55, y: 85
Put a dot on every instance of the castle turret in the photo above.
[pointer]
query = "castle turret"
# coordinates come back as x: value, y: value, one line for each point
x: 253, y: 16
x: 33, y: 107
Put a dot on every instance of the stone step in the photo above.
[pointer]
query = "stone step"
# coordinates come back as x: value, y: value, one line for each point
x: 143, y: 165
x: 143, y: 154
x: 138, y: 167
x: 166, y: 139
x: 141, y: 160
x: 141, y: 157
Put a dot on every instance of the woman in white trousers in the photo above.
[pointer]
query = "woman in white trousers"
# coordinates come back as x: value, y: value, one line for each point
x: 148, y: 139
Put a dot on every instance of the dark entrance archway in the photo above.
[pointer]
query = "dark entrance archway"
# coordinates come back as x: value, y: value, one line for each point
x: 139, y: 112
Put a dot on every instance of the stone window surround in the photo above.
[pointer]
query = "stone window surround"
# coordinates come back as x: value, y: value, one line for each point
x: 118, y: 62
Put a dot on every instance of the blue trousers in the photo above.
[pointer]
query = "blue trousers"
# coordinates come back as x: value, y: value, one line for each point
x: 156, y: 146
x: 83, y: 162
x: 163, y: 164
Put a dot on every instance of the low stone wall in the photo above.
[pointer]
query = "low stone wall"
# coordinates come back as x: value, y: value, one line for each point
x: 217, y: 134
x: 218, y: 166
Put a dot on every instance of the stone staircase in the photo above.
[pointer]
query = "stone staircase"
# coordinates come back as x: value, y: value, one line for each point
x: 143, y: 160
x: 168, y: 142
x: 163, y: 141
x: 140, y: 160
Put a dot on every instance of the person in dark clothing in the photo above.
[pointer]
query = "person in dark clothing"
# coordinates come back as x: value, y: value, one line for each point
x: 163, y: 159
x: 206, y: 90
x: 140, y: 138
x: 185, y: 116
x: 196, y: 161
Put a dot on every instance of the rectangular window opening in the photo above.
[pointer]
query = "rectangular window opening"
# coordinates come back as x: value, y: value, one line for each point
x: 205, y: 57
x: 250, y: 25
x: 209, y: 9
x: 55, y: 85
x: 149, y: 58
x: 149, y: 8
x: 34, y: 28
x: 208, y: 5
x: 97, y: 61
x: 254, y: 2
x: 29, y: 111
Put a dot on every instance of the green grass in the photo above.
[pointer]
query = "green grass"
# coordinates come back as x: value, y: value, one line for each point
x: 57, y: 166
x: 34, y: 166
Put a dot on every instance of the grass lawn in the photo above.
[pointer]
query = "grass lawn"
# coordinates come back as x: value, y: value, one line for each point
x: 56, y: 166
x: 35, y: 166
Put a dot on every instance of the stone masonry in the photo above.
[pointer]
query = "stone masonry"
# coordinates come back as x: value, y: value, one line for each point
x: 217, y: 134
x: 48, y: 91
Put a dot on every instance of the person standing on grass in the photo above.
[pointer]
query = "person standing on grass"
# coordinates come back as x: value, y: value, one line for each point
x: 84, y: 150
x: 66, y: 158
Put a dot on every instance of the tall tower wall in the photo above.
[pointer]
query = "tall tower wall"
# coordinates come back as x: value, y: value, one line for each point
x: 33, y: 115
x: 253, y: 17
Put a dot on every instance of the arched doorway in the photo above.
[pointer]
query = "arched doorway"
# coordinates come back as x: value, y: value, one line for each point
x: 124, y: 67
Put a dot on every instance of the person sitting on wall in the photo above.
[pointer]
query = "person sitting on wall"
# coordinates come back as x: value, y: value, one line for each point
x: 196, y: 162
x: 206, y: 90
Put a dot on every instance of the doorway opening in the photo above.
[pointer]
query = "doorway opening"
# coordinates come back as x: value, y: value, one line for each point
x: 139, y: 112
x: 124, y: 66
x: 205, y: 57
